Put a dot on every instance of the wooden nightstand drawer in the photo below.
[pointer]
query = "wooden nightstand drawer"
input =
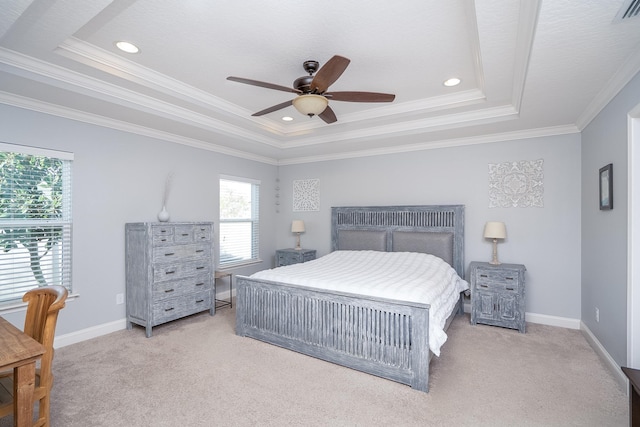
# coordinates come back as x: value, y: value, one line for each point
x: 503, y: 280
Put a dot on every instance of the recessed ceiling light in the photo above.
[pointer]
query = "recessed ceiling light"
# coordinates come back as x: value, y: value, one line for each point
x: 454, y: 81
x: 127, y: 47
x: 287, y: 119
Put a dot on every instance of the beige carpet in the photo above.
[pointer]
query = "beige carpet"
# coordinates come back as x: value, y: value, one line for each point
x: 196, y: 372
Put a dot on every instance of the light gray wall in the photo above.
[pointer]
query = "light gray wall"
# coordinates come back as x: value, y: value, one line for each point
x: 118, y: 178
x: 604, y: 233
x: 546, y: 240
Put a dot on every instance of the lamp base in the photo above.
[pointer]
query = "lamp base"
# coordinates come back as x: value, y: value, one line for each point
x: 298, y: 248
x: 495, y: 261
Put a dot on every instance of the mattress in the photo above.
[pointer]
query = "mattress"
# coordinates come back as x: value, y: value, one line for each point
x: 402, y: 276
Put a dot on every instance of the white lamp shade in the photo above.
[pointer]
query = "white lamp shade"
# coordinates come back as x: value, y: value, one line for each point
x: 310, y: 105
x: 495, y: 230
x: 297, y: 226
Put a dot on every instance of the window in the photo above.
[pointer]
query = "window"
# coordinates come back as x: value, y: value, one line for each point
x: 35, y: 220
x: 239, y: 224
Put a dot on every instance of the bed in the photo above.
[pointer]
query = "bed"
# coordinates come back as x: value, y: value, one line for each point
x: 381, y: 336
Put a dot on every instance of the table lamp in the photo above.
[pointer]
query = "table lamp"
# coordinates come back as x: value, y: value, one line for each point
x: 495, y: 230
x: 297, y: 227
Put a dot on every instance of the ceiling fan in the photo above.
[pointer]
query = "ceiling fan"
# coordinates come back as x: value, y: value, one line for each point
x: 313, y: 98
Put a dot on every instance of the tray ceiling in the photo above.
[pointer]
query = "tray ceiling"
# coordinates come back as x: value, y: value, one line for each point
x: 528, y: 68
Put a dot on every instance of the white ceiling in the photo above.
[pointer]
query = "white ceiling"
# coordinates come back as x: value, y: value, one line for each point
x: 528, y: 68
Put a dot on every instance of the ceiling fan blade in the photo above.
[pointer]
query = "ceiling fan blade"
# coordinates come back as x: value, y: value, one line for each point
x: 360, y: 96
x: 274, y: 108
x: 263, y: 84
x: 329, y: 73
x: 328, y: 115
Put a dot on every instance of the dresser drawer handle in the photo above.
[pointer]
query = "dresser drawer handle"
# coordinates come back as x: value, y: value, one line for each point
x: 199, y: 301
x: 200, y: 284
x: 199, y: 250
x: 483, y: 286
x: 170, y: 254
x: 200, y: 267
x: 170, y: 272
x: 509, y: 289
x: 168, y: 309
x: 163, y: 231
x: 483, y: 275
x: 163, y: 240
x: 509, y: 278
x: 166, y: 291
x: 185, y: 234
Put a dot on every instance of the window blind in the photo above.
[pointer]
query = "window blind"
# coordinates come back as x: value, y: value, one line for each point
x: 239, y: 221
x: 35, y: 221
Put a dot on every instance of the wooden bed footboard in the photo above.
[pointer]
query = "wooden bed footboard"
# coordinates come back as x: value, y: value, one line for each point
x: 386, y: 338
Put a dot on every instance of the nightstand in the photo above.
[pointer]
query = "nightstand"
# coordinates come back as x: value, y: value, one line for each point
x: 497, y: 294
x: 294, y: 256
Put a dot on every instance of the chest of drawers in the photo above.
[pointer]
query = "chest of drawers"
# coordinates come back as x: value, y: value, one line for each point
x: 169, y: 271
x: 294, y: 256
x: 497, y: 294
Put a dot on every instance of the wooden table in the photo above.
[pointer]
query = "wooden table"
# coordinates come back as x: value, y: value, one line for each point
x: 20, y: 352
x: 634, y: 395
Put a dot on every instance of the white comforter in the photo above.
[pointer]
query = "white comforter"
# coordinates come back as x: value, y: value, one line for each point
x: 406, y: 276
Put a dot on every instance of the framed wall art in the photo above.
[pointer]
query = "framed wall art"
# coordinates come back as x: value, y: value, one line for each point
x: 606, y: 187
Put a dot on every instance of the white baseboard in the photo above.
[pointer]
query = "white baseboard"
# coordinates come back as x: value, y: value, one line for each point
x: 104, y: 329
x: 88, y: 333
x: 543, y: 319
x: 618, y: 375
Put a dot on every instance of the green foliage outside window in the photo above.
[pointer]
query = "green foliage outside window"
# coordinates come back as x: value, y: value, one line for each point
x: 30, y: 191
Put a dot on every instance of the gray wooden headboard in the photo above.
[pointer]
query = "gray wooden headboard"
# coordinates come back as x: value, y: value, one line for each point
x: 433, y: 229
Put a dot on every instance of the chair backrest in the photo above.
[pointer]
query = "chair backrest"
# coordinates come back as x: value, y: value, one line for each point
x: 40, y: 322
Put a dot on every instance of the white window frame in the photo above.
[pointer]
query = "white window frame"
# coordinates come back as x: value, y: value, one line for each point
x: 62, y: 274
x: 254, y: 220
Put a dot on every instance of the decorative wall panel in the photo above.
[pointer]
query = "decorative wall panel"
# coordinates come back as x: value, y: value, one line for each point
x: 306, y: 195
x: 516, y: 184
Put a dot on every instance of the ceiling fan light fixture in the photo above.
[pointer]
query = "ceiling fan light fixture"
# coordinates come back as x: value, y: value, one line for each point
x: 310, y: 105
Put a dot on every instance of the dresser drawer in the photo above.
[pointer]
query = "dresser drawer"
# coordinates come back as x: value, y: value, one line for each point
x: 186, y: 233
x: 162, y: 234
x: 181, y: 252
x: 175, y: 308
x: 173, y: 271
x: 176, y: 288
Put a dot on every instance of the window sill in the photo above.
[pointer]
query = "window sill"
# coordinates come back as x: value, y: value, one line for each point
x: 14, y: 307
x: 231, y: 266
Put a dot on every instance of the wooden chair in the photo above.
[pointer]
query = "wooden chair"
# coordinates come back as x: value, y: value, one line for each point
x: 40, y: 323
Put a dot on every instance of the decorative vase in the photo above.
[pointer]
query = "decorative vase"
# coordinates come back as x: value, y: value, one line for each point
x: 163, y: 215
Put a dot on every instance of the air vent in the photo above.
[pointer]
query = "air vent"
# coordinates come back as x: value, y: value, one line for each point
x: 630, y: 9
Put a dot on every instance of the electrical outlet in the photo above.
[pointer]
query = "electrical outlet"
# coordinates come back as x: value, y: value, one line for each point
x: 597, y: 314
x: 119, y: 298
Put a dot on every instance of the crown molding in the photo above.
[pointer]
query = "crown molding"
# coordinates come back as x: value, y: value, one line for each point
x: 81, y: 116
x: 94, y: 119
x: 447, y: 143
x: 616, y: 83
x: 451, y: 121
x: 63, y: 78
